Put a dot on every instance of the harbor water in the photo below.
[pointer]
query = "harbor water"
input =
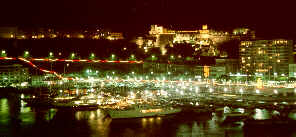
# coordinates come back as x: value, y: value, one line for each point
x: 19, y: 120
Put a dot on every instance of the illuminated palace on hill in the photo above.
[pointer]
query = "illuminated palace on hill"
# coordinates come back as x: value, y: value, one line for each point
x: 204, y: 39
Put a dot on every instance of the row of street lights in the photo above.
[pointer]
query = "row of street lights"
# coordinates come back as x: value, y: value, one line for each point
x: 132, y: 57
x: 26, y: 54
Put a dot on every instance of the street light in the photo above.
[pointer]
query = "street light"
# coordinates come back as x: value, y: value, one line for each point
x: 153, y: 57
x: 132, y: 57
x: 72, y: 55
x: 26, y: 54
x: 172, y: 57
x: 3, y: 53
x: 113, y: 57
x: 50, y: 55
x: 92, y: 56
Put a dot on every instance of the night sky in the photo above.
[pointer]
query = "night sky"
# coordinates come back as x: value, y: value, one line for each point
x: 267, y: 17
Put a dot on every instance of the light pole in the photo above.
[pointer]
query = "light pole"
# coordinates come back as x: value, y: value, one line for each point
x: 92, y: 56
x: 132, y: 57
x: 26, y: 54
x: 113, y: 57
x: 50, y: 56
x: 72, y: 56
x: 3, y: 53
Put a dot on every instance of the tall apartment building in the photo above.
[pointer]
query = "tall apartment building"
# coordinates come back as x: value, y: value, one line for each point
x: 266, y: 57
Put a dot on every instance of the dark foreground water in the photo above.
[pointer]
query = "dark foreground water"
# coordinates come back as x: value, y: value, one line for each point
x: 18, y: 120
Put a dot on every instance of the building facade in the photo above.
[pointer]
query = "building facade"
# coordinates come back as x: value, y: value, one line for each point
x: 204, y: 39
x: 13, y: 75
x: 266, y: 57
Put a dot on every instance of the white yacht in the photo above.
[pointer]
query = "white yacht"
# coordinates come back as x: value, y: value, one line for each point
x: 140, y: 111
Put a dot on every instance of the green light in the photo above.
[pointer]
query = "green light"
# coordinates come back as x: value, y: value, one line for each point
x: 3, y: 53
x: 92, y: 56
x: 112, y: 57
x: 26, y: 54
x: 72, y: 55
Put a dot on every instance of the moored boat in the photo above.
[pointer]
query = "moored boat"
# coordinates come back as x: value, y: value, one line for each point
x: 136, y: 112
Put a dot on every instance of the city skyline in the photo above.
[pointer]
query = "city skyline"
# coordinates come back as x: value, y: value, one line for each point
x: 267, y: 18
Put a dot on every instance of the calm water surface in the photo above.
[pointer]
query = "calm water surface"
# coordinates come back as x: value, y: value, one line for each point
x: 19, y: 120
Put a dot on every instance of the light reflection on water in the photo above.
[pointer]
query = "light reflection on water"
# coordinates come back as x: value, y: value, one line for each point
x: 4, y: 114
x: 95, y: 123
x: 261, y: 114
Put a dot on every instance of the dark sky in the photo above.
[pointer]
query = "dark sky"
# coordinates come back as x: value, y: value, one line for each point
x: 267, y: 17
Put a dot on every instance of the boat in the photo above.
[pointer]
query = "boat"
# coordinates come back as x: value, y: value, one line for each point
x: 38, y: 102
x: 43, y: 100
x: 139, y: 111
x: 236, y: 117
x: 75, y: 104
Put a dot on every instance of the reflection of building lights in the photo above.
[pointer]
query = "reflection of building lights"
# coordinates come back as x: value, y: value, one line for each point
x: 241, y: 90
x: 257, y: 91
x: 275, y: 91
x: 151, y: 119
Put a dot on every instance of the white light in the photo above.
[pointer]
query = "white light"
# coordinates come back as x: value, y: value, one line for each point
x: 257, y: 91
x: 225, y: 89
x: 197, y: 104
x: 275, y: 91
x: 275, y: 103
x: 197, y: 89
x: 211, y: 90
x: 241, y: 90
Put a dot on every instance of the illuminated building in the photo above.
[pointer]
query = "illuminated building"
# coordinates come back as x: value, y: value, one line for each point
x: 203, y: 39
x: 231, y: 65
x: 266, y: 57
x: 115, y: 36
x: 13, y: 74
x: 50, y: 33
x: 8, y: 32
